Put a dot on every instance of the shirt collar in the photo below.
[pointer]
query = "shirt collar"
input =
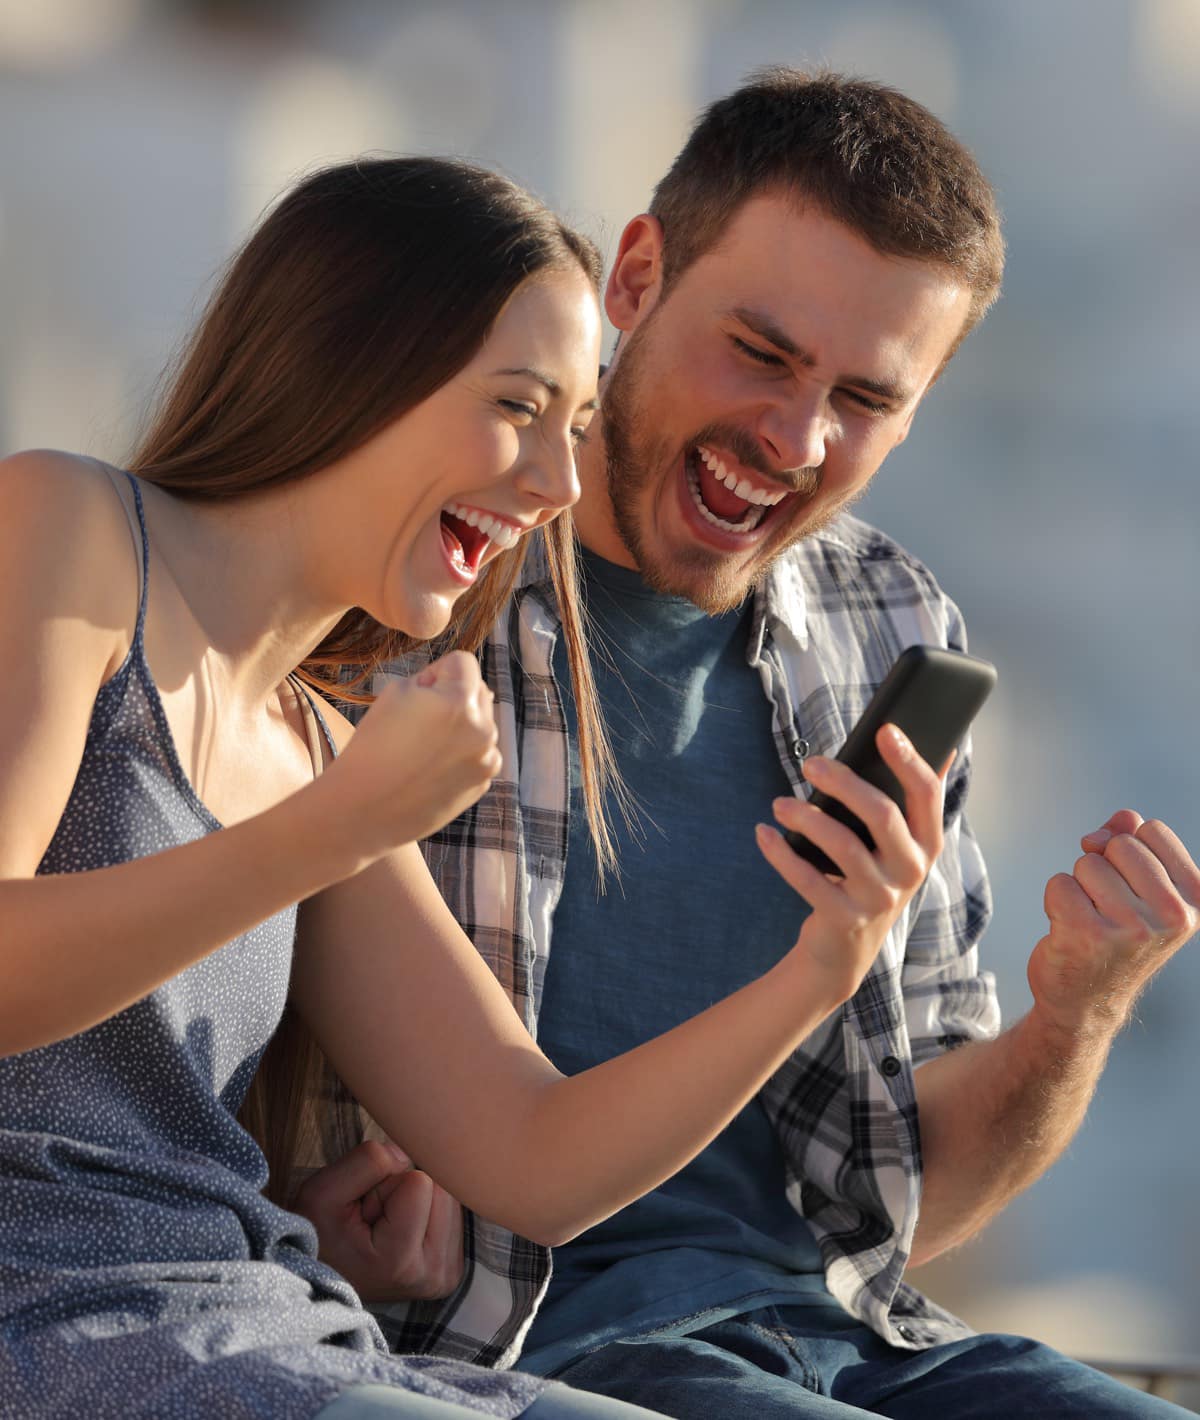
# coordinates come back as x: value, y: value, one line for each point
x: 535, y: 569
x: 780, y: 600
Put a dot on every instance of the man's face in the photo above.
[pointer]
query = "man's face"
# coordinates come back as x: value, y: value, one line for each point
x: 759, y: 397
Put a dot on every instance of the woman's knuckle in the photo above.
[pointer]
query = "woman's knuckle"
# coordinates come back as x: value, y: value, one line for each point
x: 910, y: 874
x: 871, y: 899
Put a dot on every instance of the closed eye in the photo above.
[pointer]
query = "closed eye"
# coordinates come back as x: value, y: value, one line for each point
x: 864, y: 401
x: 761, y: 357
x: 519, y: 406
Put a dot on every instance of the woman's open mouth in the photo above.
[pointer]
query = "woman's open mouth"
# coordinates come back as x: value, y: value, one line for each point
x: 468, y: 533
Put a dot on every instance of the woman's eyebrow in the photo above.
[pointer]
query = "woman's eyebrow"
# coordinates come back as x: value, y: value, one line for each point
x: 551, y: 384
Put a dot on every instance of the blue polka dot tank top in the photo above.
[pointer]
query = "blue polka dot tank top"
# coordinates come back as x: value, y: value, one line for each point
x: 142, y: 1272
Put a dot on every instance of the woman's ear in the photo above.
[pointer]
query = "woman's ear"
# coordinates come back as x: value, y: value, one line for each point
x: 636, y: 278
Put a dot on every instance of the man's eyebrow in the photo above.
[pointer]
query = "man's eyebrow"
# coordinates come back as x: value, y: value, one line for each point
x: 769, y: 330
x: 551, y: 384
x: 762, y: 324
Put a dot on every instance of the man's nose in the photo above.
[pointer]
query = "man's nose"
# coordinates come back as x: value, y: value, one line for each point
x: 796, y: 432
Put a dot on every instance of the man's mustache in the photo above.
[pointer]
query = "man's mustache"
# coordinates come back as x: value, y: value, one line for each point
x: 748, y: 451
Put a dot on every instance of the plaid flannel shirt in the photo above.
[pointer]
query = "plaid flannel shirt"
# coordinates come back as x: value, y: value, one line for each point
x: 829, y: 619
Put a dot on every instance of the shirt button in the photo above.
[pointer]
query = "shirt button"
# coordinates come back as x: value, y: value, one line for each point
x: 891, y: 1067
x: 906, y: 1331
x: 800, y: 749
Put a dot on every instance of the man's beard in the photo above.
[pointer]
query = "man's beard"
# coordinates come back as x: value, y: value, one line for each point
x: 712, y: 580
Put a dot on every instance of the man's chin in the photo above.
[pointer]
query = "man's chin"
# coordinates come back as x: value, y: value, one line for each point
x: 704, y: 578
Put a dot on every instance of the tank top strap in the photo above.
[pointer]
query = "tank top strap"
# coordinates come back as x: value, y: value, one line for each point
x: 136, y: 518
x: 142, y: 539
x: 315, y: 725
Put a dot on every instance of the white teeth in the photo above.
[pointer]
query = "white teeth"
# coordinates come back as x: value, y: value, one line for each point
x: 503, y: 534
x: 741, y: 486
x: 748, y: 523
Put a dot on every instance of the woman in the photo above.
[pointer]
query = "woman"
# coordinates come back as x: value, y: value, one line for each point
x: 382, y: 400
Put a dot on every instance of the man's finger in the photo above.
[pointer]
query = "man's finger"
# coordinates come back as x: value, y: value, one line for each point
x: 1123, y: 821
x: 375, y: 1202
x: 351, y: 1177
x: 1168, y: 848
x: 406, y: 1209
x: 1066, y: 902
x: 1114, y: 896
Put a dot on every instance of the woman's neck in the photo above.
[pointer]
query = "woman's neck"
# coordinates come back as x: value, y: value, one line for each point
x: 247, y: 571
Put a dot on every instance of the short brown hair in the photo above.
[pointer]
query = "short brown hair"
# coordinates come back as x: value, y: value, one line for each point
x: 864, y: 154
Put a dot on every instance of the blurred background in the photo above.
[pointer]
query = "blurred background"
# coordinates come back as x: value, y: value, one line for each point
x: 1050, y: 481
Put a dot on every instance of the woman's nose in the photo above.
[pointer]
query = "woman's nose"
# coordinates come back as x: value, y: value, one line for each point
x: 551, y: 475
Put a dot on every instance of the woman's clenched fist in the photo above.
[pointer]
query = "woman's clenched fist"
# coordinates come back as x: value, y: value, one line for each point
x: 425, y: 751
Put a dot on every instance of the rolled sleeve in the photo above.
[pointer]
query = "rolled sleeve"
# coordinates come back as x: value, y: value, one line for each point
x: 947, y: 998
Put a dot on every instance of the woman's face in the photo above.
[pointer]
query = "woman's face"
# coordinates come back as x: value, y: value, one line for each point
x: 486, y: 458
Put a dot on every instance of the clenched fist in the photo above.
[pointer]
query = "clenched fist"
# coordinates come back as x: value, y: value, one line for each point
x: 1131, y: 902
x: 425, y: 751
x: 385, y: 1225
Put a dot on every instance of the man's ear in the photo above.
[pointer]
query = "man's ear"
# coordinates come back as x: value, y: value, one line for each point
x: 636, y: 277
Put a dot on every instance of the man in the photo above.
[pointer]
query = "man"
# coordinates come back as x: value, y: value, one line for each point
x: 808, y: 266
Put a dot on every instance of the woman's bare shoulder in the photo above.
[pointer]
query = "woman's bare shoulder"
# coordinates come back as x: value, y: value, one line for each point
x: 66, y: 537
x: 60, y: 492
x: 47, y: 472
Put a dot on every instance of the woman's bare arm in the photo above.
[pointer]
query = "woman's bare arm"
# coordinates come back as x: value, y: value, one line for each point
x: 77, y: 948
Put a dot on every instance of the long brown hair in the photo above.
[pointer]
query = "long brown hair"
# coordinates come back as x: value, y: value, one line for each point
x: 366, y: 288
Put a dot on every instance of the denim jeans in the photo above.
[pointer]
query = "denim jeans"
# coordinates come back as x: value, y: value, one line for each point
x: 819, y: 1363
x: 378, y: 1402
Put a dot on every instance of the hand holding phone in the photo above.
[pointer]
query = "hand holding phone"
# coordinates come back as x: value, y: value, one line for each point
x: 932, y: 695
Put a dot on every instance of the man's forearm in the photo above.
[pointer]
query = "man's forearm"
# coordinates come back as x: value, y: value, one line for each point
x: 993, y: 1117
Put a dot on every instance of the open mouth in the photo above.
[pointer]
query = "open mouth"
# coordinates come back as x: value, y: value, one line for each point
x: 727, y: 499
x: 467, y: 533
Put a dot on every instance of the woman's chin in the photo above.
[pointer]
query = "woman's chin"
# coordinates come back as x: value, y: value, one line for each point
x: 423, y: 621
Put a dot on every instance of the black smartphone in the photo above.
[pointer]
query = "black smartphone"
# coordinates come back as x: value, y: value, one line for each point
x: 932, y: 695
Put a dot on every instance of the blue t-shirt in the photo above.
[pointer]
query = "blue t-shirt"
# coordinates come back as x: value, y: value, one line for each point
x: 697, y: 914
